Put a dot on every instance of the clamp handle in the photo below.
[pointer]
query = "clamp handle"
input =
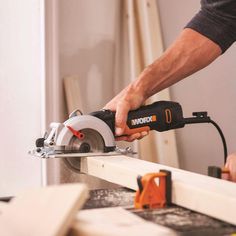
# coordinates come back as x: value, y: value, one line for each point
x: 152, y: 194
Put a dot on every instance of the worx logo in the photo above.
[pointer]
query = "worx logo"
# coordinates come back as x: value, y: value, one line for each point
x: 144, y: 120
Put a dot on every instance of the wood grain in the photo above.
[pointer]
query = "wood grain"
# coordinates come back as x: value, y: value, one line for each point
x: 47, y: 211
x: 207, y: 195
x: 72, y: 92
x: 115, y: 222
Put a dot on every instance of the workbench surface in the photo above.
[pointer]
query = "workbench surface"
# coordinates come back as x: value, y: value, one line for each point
x: 181, y: 220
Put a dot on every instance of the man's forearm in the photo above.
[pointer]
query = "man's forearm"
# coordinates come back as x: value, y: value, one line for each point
x: 189, y: 53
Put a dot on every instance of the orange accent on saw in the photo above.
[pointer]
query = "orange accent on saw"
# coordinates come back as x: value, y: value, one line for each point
x: 168, y: 116
x: 154, y: 118
x: 76, y: 133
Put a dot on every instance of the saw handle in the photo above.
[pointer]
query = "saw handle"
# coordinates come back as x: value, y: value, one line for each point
x: 159, y: 116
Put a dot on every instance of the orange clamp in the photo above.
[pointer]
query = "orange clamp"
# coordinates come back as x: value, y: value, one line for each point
x: 152, y: 194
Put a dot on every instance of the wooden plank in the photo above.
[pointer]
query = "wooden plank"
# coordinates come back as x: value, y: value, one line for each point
x: 47, y: 211
x: 207, y: 195
x: 72, y: 92
x: 116, y: 222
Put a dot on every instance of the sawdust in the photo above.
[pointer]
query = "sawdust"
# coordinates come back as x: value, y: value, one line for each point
x: 184, y: 220
x: 110, y: 198
x: 181, y: 220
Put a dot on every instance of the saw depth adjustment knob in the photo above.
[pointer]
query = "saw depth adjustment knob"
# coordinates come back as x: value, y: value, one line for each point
x: 40, y: 142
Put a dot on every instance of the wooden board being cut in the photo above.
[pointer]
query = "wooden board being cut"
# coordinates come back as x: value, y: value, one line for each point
x: 47, y: 211
x: 207, y: 195
x: 116, y: 222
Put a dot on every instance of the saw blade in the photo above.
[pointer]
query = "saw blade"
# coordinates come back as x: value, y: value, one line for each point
x: 91, y: 143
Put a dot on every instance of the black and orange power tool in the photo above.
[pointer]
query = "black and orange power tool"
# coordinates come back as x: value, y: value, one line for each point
x: 95, y: 132
x: 159, y: 116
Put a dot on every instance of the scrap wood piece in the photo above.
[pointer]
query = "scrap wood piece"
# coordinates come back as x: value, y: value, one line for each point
x: 72, y: 92
x: 114, y: 221
x: 47, y: 211
x: 207, y: 195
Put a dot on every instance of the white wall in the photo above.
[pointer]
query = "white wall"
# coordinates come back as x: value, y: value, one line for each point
x: 212, y: 89
x: 20, y: 93
x: 87, y: 47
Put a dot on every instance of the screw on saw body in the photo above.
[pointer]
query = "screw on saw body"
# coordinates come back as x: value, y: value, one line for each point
x: 77, y: 133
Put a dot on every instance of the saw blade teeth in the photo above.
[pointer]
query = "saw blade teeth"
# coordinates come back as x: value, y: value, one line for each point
x: 92, y: 142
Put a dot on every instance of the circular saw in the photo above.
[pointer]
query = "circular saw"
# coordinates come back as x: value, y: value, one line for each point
x: 76, y: 137
x: 94, y: 134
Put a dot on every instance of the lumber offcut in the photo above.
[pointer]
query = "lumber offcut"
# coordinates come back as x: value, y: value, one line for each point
x: 116, y: 222
x: 47, y: 211
x: 207, y: 195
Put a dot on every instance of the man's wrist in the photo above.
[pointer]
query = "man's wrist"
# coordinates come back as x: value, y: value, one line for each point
x: 138, y: 88
x: 146, y: 81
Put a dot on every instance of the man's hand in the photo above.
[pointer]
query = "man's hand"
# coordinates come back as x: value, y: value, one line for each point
x: 128, y: 99
x: 231, y: 165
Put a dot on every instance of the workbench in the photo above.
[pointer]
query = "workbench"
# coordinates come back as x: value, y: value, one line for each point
x: 200, y: 205
x: 179, y: 219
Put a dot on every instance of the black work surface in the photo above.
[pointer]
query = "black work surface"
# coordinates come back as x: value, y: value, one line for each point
x: 181, y: 220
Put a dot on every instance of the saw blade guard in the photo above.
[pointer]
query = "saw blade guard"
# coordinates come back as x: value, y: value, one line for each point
x: 86, y: 122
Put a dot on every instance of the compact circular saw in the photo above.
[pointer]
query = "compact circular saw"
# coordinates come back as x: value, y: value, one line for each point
x: 94, y: 134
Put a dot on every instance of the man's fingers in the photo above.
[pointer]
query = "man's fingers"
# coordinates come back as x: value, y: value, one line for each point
x: 231, y: 165
x: 143, y: 134
x: 122, y: 110
x: 121, y: 138
x: 132, y: 137
x: 135, y: 136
